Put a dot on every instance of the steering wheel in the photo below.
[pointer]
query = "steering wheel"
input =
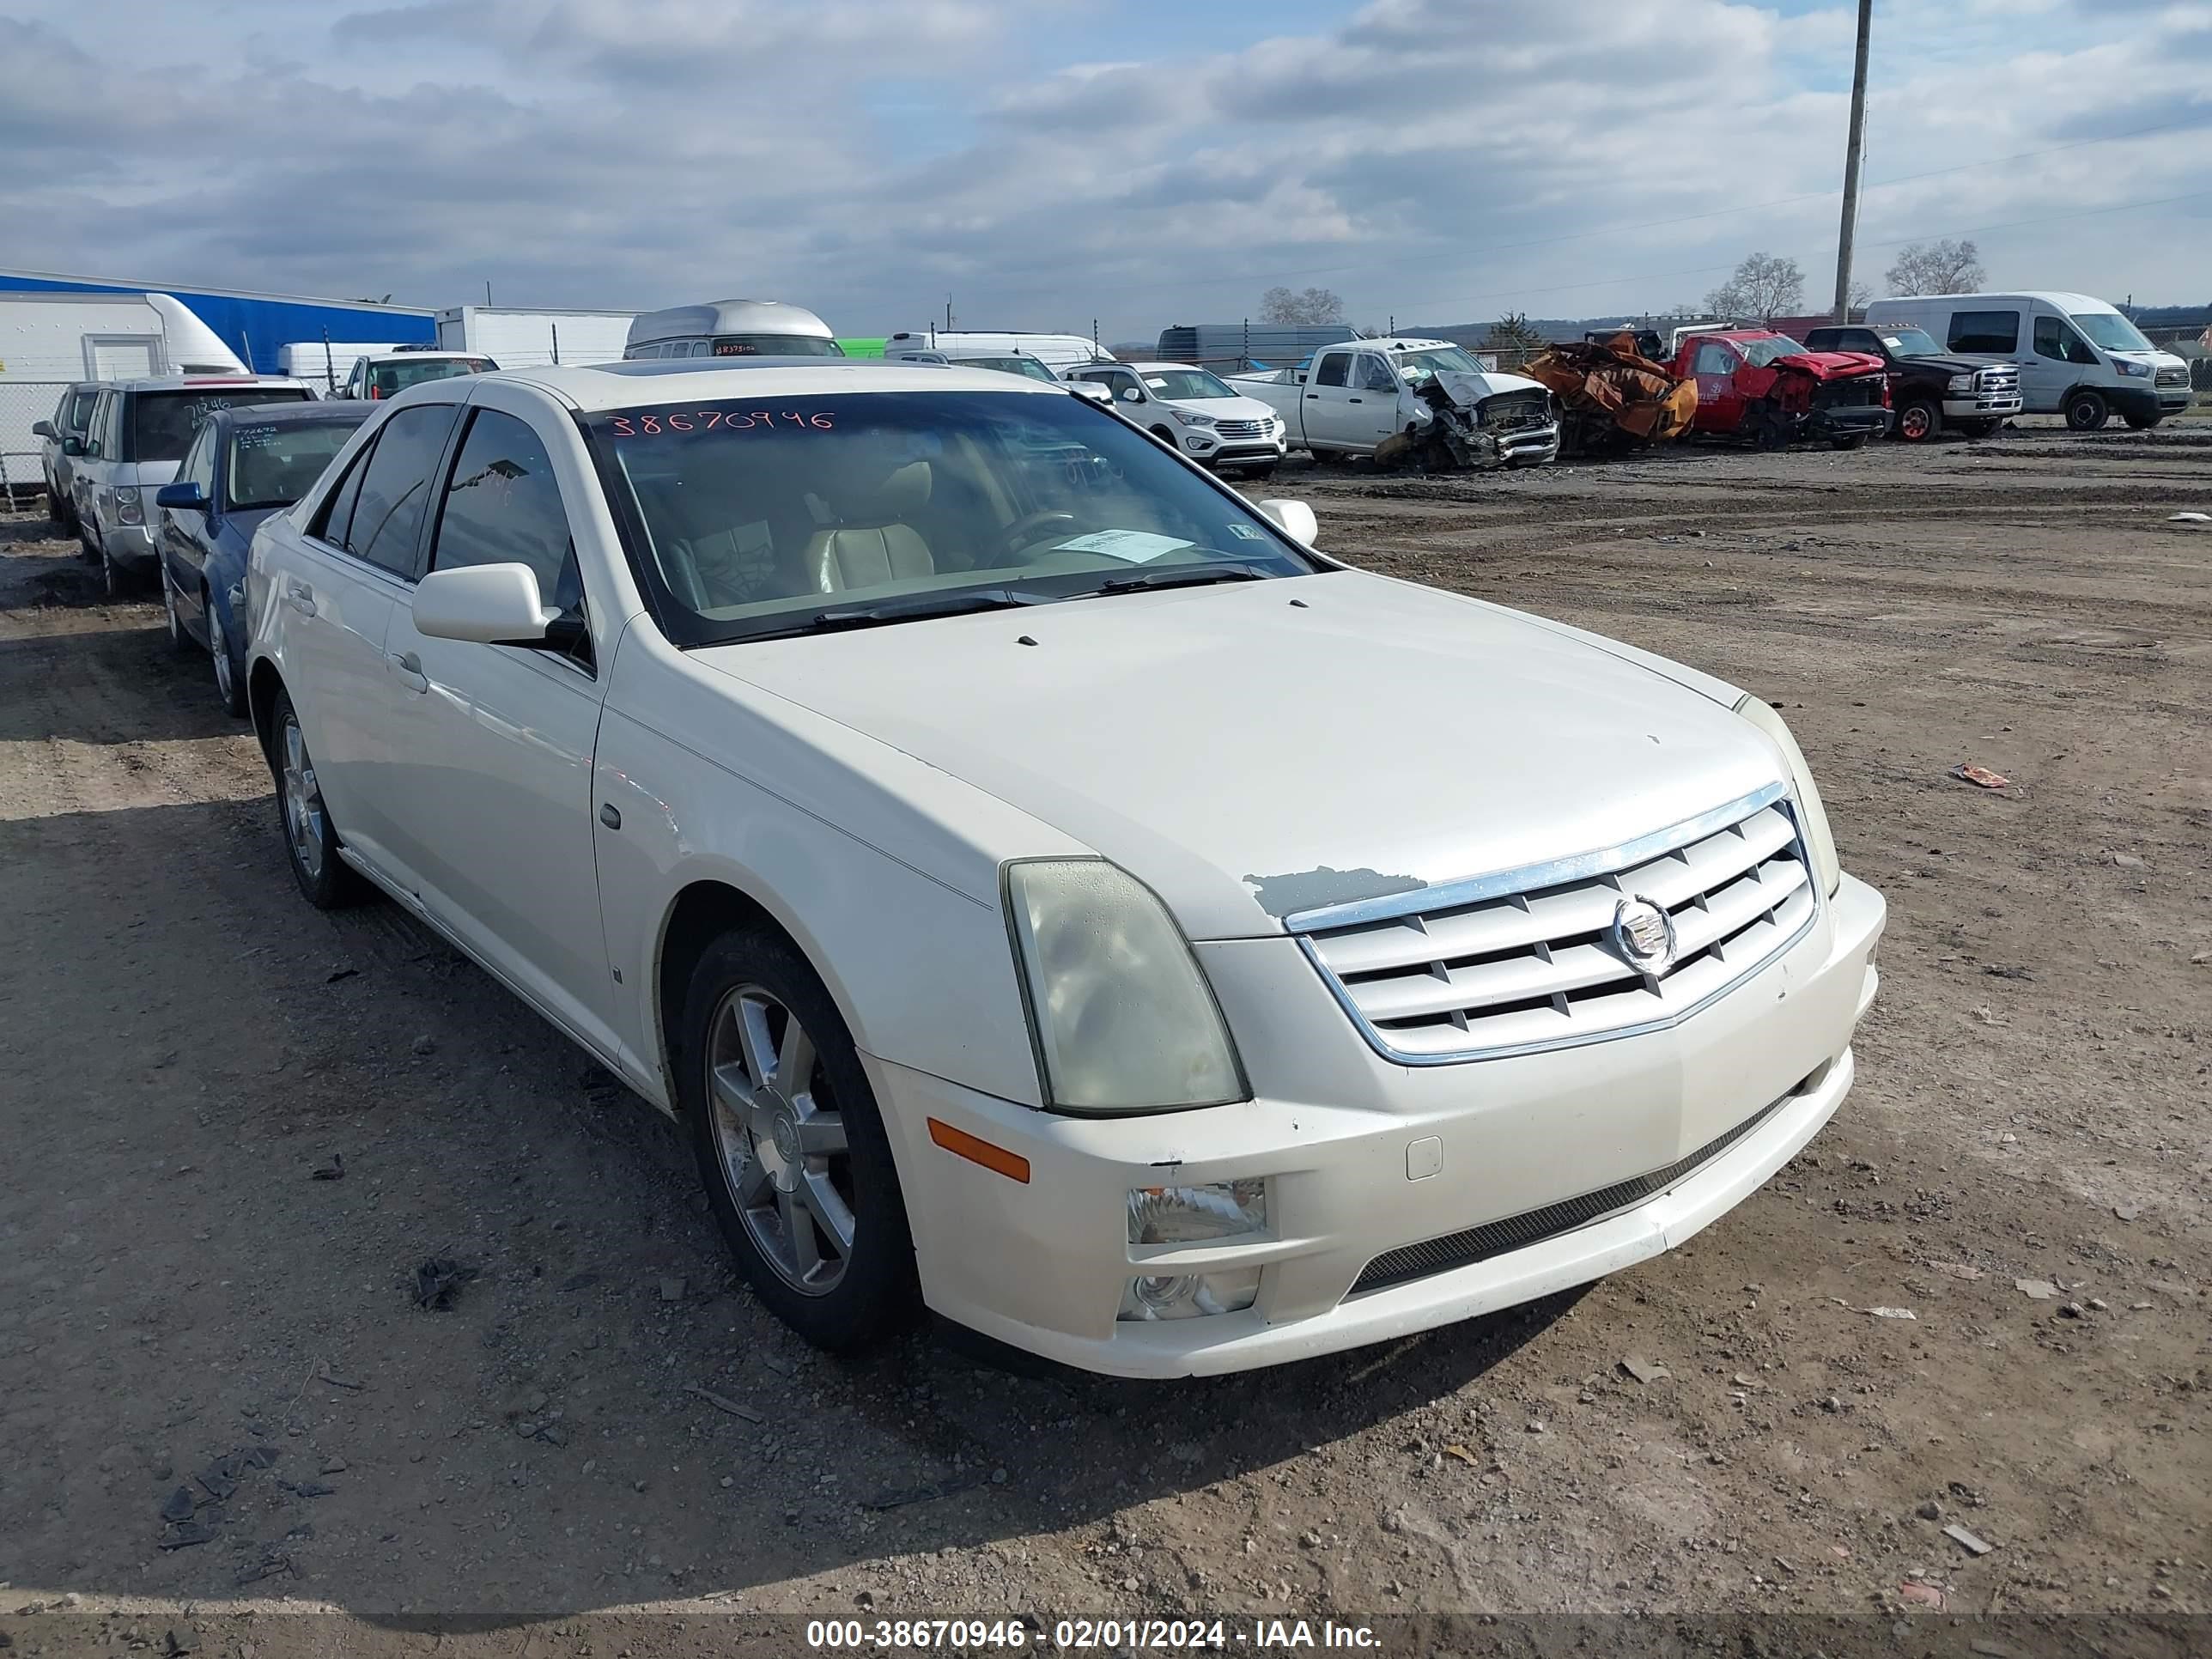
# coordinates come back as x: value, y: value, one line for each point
x: 1020, y: 534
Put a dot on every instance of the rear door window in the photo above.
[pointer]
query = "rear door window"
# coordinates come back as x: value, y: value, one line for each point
x: 1987, y: 331
x: 395, y: 488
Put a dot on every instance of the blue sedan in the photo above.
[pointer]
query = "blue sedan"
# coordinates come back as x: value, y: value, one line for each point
x: 244, y: 464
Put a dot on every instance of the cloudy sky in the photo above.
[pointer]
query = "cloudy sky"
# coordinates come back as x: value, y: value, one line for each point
x: 1047, y: 162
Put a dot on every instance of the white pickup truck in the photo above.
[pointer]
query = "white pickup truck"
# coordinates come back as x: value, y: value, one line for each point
x: 1356, y: 398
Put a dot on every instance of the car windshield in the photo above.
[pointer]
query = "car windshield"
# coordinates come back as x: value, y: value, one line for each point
x: 781, y: 514
x: 2112, y: 331
x: 1418, y: 366
x: 1911, y: 343
x: 775, y: 345
x: 391, y: 379
x: 162, y: 422
x: 1185, y: 383
x: 1760, y: 353
x: 271, y: 463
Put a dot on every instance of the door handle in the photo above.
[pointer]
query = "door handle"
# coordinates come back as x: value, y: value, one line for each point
x: 1352, y: 400
x: 409, y: 667
x: 299, y: 597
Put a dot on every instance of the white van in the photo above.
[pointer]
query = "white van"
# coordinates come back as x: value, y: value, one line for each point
x: 2078, y: 357
x: 732, y: 328
x: 1058, y: 352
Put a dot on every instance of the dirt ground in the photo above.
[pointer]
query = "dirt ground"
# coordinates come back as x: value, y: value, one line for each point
x: 183, y: 1042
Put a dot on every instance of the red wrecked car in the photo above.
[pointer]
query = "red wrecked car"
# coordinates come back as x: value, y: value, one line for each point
x: 1764, y: 387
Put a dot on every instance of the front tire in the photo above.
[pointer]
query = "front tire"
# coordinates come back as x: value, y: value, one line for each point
x: 311, y: 841
x: 57, y: 515
x: 1919, y: 420
x: 790, y: 1145
x: 2087, y: 411
x: 2144, y: 422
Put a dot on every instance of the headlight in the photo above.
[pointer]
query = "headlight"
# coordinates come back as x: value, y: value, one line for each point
x: 127, y: 506
x: 1192, y: 417
x: 1122, y: 1018
x: 2133, y: 371
x: 1961, y: 383
x: 1812, y: 815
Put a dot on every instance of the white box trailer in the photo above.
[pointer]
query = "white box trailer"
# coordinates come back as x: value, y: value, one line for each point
x: 51, y: 337
x: 530, y: 337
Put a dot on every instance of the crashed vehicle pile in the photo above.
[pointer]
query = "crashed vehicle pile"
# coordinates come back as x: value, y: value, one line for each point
x: 1612, y: 396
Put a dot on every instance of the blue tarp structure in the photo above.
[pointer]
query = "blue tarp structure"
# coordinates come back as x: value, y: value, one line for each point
x: 255, y: 325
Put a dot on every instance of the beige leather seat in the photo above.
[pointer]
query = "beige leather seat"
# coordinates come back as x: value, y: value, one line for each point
x: 875, y: 544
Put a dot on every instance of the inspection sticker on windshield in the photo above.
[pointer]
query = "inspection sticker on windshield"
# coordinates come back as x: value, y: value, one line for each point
x: 1132, y: 546
x: 1247, y: 533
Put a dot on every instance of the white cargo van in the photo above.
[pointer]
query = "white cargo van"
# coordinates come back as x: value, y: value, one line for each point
x: 732, y: 328
x: 2078, y: 356
x: 1058, y: 352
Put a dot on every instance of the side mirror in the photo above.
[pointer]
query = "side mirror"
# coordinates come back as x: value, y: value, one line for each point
x: 181, y: 498
x: 1131, y: 395
x: 484, y: 604
x: 72, y: 445
x: 1294, y: 518
x: 42, y: 429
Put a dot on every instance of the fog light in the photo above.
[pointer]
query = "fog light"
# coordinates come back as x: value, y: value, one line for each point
x: 1168, y: 1216
x: 1194, y: 441
x: 1190, y: 1296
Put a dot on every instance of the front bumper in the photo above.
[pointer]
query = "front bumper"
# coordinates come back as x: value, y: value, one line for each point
x: 1531, y: 446
x: 1850, y: 421
x: 1982, y: 409
x: 1428, y: 1154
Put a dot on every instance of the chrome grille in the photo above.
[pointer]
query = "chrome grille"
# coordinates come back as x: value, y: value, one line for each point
x: 2171, y: 377
x: 1515, y: 408
x: 1242, y: 428
x: 1998, y: 382
x: 1857, y: 393
x: 1524, y: 960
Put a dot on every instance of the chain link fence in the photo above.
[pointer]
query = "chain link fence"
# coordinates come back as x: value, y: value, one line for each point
x: 23, y: 403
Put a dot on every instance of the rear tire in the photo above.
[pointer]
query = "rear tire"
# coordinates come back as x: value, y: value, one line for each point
x: 55, y: 514
x: 228, y: 685
x: 180, y: 641
x: 311, y: 841
x: 2087, y: 411
x: 1981, y: 429
x: 798, y: 1168
x: 1919, y: 420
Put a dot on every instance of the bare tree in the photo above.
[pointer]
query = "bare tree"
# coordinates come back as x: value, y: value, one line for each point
x: 1860, y: 294
x: 1314, y: 305
x: 1940, y: 267
x: 1511, y: 332
x: 1763, y: 286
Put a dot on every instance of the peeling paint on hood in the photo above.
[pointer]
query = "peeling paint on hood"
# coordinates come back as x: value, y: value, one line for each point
x: 1317, y: 889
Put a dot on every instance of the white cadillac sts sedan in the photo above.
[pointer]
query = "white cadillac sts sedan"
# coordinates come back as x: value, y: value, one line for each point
x: 1045, y: 888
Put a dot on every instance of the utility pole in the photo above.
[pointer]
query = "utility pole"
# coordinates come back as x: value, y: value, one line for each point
x: 948, y: 314
x: 487, y: 291
x: 1856, y: 144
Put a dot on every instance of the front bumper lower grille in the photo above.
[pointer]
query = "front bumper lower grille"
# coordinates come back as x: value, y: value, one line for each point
x: 1517, y: 1232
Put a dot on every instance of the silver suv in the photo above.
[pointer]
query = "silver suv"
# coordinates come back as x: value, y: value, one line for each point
x: 138, y: 432
x: 56, y: 458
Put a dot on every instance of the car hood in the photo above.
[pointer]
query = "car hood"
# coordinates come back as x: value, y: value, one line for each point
x: 1253, y: 750
x: 1228, y: 409
x: 1833, y: 365
x: 1469, y: 387
x: 1943, y: 365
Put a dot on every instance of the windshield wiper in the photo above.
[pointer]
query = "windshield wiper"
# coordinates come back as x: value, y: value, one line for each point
x: 1199, y: 577
x: 899, y: 610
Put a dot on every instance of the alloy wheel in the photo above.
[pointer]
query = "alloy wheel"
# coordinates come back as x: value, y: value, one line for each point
x: 781, y: 1139
x: 303, y: 802
x: 169, y: 604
